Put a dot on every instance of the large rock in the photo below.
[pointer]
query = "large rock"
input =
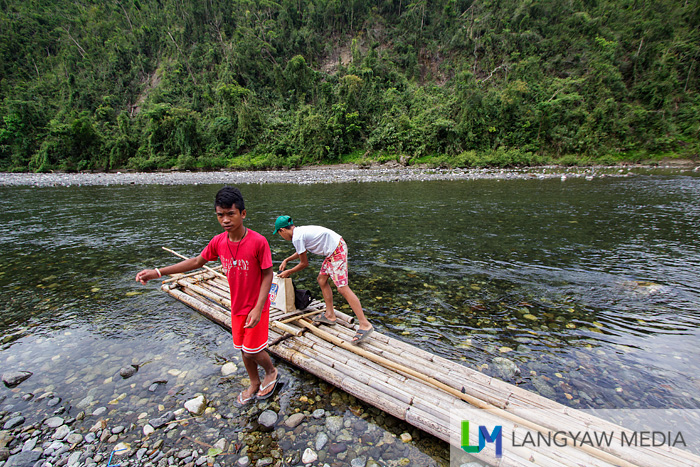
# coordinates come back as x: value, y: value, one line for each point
x: 13, y: 378
x: 23, y: 459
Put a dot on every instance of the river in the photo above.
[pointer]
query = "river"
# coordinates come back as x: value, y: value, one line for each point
x: 585, y: 291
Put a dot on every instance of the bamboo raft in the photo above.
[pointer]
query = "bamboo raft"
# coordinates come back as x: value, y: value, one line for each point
x: 423, y: 389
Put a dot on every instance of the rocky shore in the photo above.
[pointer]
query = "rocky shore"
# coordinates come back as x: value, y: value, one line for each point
x: 46, y: 430
x: 390, y: 172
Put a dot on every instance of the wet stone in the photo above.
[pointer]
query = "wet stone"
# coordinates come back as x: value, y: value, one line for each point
x: 294, y: 420
x: 309, y: 456
x: 334, y: 424
x: 74, y: 438
x: 61, y: 432
x: 14, y: 378
x: 54, y: 422
x: 267, y: 419
x: 337, y: 448
x: 23, y: 459
x: 13, y: 422
x: 321, y: 441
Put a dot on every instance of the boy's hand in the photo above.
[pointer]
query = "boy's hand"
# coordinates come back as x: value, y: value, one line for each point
x: 146, y: 275
x: 283, y: 265
x: 253, y: 319
x: 285, y: 274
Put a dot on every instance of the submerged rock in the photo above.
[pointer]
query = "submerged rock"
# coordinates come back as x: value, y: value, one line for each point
x: 506, y: 368
x: 13, y: 378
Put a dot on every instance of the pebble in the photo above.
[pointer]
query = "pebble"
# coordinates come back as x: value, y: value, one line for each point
x: 294, y: 420
x: 321, y: 440
x: 309, y: 456
x: 197, y: 405
x: 228, y: 369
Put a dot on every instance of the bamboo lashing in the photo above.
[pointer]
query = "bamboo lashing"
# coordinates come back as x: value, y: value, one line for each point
x: 410, y: 395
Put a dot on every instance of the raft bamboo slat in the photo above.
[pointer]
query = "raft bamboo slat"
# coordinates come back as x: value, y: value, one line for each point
x: 428, y: 399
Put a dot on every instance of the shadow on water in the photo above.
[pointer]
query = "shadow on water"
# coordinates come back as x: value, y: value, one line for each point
x: 583, y: 291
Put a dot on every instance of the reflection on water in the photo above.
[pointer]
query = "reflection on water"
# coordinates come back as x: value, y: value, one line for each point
x: 584, y: 291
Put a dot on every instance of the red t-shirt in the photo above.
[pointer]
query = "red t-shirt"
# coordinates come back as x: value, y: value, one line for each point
x: 251, y: 255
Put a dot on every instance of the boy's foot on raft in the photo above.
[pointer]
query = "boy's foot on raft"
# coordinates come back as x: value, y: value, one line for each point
x: 324, y: 320
x: 268, y: 385
x: 361, y: 335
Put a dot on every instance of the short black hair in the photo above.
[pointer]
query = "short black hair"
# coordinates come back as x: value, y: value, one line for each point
x: 229, y: 196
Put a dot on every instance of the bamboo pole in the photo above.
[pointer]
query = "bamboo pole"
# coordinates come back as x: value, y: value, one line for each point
x: 285, y: 328
x: 185, y: 257
x: 176, y: 277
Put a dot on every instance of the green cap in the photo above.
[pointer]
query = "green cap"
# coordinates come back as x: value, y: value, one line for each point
x: 282, y: 222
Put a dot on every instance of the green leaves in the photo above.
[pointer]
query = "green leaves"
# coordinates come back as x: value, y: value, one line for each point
x: 160, y: 84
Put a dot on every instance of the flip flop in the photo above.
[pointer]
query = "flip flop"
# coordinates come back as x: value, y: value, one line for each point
x: 362, y: 335
x: 241, y: 401
x: 274, y: 385
x: 322, y: 319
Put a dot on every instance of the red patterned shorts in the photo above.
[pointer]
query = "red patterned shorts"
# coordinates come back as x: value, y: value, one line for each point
x: 336, y: 265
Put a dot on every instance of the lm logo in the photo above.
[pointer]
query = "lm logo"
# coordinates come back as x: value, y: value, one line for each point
x: 495, y: 436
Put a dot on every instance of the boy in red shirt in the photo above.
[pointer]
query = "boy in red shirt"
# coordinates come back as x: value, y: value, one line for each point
x: 247, y: 262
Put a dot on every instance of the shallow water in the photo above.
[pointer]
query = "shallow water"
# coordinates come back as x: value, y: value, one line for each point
x: 592, y: 288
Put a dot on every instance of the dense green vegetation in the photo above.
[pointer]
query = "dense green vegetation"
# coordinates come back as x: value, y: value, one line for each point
x: 148, y: 84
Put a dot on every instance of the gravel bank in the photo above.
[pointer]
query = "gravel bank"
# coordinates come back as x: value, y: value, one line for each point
x: 324, y: 174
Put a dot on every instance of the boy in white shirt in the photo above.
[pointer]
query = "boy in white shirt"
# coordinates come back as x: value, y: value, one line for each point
x: 322, y: 241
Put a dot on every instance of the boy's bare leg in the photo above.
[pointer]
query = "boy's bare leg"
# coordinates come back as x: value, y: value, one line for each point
x: 356, y: 306
x: 263, y: 359
x: 251, y: 367
x: 327, y: 295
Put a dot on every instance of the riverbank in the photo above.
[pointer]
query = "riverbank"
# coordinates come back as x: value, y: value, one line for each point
x: 343, y: 173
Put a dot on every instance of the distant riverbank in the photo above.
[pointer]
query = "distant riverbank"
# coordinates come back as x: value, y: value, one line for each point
x: 321, y: 174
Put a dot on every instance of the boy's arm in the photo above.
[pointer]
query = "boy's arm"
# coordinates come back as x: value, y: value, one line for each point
x: 254, y: 315
x: 183, y: 266
x: 283, y: 266
x: 303, y: 263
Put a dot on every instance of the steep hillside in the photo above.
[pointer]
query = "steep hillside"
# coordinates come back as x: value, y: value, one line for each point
x: 149, y: 84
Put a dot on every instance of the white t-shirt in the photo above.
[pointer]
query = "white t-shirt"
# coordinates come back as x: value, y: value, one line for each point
x: 316, y: 239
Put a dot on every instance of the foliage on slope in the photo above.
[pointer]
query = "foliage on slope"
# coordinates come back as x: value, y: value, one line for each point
x: 148, y: 84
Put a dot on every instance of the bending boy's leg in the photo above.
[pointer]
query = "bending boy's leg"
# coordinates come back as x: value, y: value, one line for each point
x: 327, y: 295
x: 356, y: 306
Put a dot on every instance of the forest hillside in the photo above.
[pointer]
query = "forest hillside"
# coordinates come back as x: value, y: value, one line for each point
x: 160, y: 84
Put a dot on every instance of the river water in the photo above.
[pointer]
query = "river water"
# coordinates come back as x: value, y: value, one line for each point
x: 585, y: 291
